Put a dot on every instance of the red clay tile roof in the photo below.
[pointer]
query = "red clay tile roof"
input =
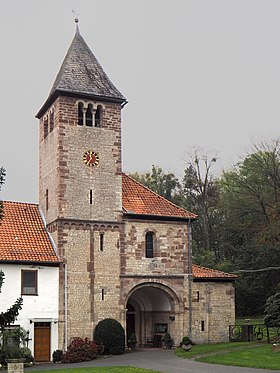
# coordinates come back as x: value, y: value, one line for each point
x: 207, y: 273
x: 23, y: 236
x: 138, y: 199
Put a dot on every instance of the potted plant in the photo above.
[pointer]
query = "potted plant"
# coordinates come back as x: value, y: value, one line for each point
x: 131, y: 343
x: 168, y: 341
x: 186, y: 344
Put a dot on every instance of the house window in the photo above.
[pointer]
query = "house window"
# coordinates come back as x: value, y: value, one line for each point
x: 29, y: 282
x: 149, y: 245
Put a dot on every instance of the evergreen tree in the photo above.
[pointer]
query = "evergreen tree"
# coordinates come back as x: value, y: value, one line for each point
x: 272, y: 311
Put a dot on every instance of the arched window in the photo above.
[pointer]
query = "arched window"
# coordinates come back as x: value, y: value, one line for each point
x: 149, y: 242
x: 89, y: 114
x: 98, y: 115
x: 80, y: 113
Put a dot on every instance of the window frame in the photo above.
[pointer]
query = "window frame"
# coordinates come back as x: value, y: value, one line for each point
x: 23, y: 271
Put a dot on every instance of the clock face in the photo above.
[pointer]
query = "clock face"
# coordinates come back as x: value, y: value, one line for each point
x: 90, y: 158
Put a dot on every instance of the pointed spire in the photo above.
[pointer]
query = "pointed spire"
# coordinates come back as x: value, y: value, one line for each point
x: 81, y: 75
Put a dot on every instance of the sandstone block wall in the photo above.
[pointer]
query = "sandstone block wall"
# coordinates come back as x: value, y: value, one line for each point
x: 213, y: 305
x: 170, y: 248
x: 63, y: 173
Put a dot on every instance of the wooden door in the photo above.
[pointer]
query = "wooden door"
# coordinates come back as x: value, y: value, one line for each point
x: 42, y: 341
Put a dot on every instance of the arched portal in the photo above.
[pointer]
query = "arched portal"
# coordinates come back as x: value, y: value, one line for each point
x: 151, y: 310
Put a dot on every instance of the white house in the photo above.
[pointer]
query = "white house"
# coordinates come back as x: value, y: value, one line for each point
x: 31, y: 267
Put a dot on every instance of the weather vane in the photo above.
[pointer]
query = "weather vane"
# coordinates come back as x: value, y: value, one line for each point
x: 76, y: 19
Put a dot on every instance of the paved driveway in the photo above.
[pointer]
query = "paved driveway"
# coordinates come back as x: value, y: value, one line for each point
x: 164, y: 361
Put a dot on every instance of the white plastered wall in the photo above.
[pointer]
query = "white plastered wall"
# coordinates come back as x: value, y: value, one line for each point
x: 36, y: 308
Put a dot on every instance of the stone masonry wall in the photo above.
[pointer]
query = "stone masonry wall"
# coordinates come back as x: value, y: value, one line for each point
x: 214, y: 305
x: 170, y: 248
x: 62, y: 171
x: 93, y: 282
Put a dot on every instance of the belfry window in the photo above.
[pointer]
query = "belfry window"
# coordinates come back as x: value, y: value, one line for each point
x: 46, y: 127
x: 51, y: 121
x: 80, y: 114
x: 89, y: 115
x: 98, y: 115
x: 149, y: 243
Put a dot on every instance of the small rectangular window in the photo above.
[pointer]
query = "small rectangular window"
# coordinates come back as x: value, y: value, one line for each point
x: 197, y: 296
x: 202, y: 326
x: 102, y: 294
x: 47, y: 199
x: 101, y: 241
x: 29, y: 282
x: 90, y: 196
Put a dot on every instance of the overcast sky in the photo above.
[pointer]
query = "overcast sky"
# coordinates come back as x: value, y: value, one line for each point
x: 195, y: 73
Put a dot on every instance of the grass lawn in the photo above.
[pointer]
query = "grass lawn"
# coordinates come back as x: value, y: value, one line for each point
x: 101, y: 369
x: 210, y: 348
x: 259, y: 357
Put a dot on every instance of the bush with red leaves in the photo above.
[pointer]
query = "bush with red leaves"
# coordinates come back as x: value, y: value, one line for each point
x: 82, y: 350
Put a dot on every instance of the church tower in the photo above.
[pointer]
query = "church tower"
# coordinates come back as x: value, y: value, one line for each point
x: 80, y: 188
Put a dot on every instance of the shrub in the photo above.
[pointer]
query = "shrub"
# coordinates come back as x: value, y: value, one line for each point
x: 131, y: 343
x: 110, y: 334
x: 186, y: 341
x: 12, y: 340
x: 81, y: 350
x: 57, y: 356
x: 168, y: 341
x: 26, y: 354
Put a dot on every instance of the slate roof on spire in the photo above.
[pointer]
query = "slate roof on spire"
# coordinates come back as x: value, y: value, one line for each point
x: 82, y: 75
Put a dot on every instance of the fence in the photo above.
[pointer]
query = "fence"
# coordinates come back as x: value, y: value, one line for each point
x: 254, y: 333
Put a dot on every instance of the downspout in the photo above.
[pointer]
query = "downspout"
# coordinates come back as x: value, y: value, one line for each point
x: 65, y: 307
x: 190, y: 277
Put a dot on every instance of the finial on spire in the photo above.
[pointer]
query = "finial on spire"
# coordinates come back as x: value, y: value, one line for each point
x: 76, y: 19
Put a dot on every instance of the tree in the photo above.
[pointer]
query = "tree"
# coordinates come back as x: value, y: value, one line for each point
x: 8, y: 317
x: 200, y: 194
x: 250, y: 196
x: 272, y: 311
x: 165, y: 184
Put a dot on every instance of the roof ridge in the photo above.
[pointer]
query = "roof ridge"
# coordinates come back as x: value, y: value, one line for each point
x: 161, y: 197
x: 21, y: 203
x: 213, y: 270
